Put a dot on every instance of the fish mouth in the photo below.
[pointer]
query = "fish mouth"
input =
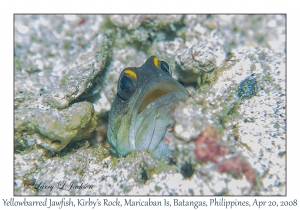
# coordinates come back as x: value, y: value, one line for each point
x: 158, y: 90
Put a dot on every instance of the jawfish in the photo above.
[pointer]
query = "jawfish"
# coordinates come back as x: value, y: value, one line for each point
x: 142, y: 109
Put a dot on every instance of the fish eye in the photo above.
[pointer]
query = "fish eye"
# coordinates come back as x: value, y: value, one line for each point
x: 165, y: 67
x: 127, y: 84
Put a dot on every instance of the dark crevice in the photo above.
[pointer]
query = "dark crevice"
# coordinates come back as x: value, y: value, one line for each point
x: 187, y: 170
x: 143, y: 176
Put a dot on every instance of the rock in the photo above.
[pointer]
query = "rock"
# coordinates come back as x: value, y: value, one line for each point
x: 53, y: 128
x: 62, y: 61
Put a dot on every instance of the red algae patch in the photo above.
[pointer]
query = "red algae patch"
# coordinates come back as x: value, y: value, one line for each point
x: 238, y: 166
x: 209, y: 148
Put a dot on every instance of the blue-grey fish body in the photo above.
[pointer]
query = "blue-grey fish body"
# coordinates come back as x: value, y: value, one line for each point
x: 142, y: 109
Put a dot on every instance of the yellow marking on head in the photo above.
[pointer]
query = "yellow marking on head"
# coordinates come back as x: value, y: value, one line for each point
x: 131, y: 73
x: 156, y: 62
